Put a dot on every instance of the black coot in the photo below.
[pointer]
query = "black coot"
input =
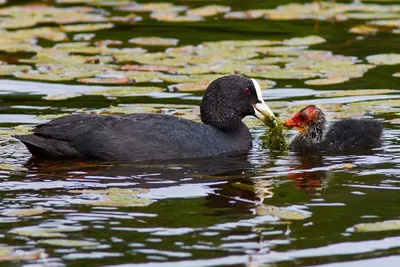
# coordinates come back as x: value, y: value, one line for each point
x: 341, y: 135
x: 134, y: 137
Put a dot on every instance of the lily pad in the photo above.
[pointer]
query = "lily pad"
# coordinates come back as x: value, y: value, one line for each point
x: 333, y: 80
x: 115, y: 197
x: 377, y: 226
x: 38, y: 231
x: 363, y: 29
x: 150, y: 7
x: 9, y: 254
x: 98, y: 80
x: 282, y: 213
x: 154, y: 41
x: 174, y: 17
x: 24, y: 212
x: 308, y: 40
x: 68, y: 243
x: 384, y: 59
x: 87, y: 27
x: 208, y: 11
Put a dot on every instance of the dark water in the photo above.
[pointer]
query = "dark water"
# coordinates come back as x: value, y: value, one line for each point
x: 198, y: 215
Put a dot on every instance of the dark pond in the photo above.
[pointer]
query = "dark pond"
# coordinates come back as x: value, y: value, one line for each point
x: 199, y: 212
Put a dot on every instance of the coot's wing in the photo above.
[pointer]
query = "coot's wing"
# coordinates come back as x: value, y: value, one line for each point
x: 129, y: 137
x: 354, y: 133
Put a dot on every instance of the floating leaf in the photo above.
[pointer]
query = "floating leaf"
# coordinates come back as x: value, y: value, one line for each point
x: 308, y: 40
x: 362, y: 92
x: 282, y: 213
x: 9, y: 254
x: 384, y: 59
x: 37, y: 231
x: 87, y: 27
x: 150, y: 7
x: 173, y: 17
x: 8, y: 167
x: 24, y: 212
x: 377, y: 226
x: 154, y: 41
x: 115, y: 197
x: 148, y: 68
x: 333, y: 80
x: 125, y: 91
x: 388, y: 23
x: 68, y: 243
x: 122, y: 80
x: 208, y: 11
x: 199, y: 86
x: 363, y: 29
x: 246, y: 15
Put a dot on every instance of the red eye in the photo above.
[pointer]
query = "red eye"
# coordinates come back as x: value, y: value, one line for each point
x: 246, y: 91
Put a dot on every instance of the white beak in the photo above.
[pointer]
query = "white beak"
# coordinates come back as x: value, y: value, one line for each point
x: 261, y: 110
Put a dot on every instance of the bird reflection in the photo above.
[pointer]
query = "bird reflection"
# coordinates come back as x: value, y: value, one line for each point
x: 306, y: 174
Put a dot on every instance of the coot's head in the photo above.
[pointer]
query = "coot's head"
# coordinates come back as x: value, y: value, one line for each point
x: 310, y: 121
x: 229, y: 99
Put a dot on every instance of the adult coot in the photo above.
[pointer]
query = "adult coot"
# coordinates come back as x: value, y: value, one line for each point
x: 134, y: 137
x: 341, y: 135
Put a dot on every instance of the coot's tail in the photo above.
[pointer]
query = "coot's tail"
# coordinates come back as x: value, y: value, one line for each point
x: 47, y: 147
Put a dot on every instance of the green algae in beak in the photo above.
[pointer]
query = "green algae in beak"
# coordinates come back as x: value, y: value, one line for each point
x: 274, y: 136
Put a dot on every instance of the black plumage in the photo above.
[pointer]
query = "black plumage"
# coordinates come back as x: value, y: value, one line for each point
x: 142, y: 136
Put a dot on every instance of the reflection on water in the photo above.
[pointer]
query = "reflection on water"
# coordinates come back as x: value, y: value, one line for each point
x: 260, y: 209
x: 203, y: 212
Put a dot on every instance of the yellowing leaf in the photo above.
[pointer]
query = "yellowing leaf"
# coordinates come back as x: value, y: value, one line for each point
x: 24, y: 212
x: 87, y: 27
x: 308, y: 40
x: 68, y: 243
x: 377, y: 226
x: 363, y: 29
x: 333, y: 80
x: 154, y: 41
x: 208, y: 11
x: 282, y: 213
x: 384, y: 59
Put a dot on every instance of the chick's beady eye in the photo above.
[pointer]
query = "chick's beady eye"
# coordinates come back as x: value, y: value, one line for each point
x: 246, y: 91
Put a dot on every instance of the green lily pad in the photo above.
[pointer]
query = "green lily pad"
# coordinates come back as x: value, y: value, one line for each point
x: 363, y: 29
x: 9, y: 254
x: 24, y: 212
x: 8, y: 167
x: 154, y: 41
x: 282, y: 213
x: 87, y: 27
x: 308, y: 40
x: 126, y: 91
x: 384, y: 59
x: 150, y: 7
x: 37, y: 231
x: 115, y: 197
x: 174, y: 17
x: 377, y: 226
x: 122, y: 80
x: 334, y: 80
x: 68, y: 243
x: 208, y: 11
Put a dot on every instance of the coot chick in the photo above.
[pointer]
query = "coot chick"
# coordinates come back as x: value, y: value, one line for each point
x: 341, y: 135
x: 136, y: 137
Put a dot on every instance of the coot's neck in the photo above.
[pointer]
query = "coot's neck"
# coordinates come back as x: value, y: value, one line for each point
x: 315, y: 133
